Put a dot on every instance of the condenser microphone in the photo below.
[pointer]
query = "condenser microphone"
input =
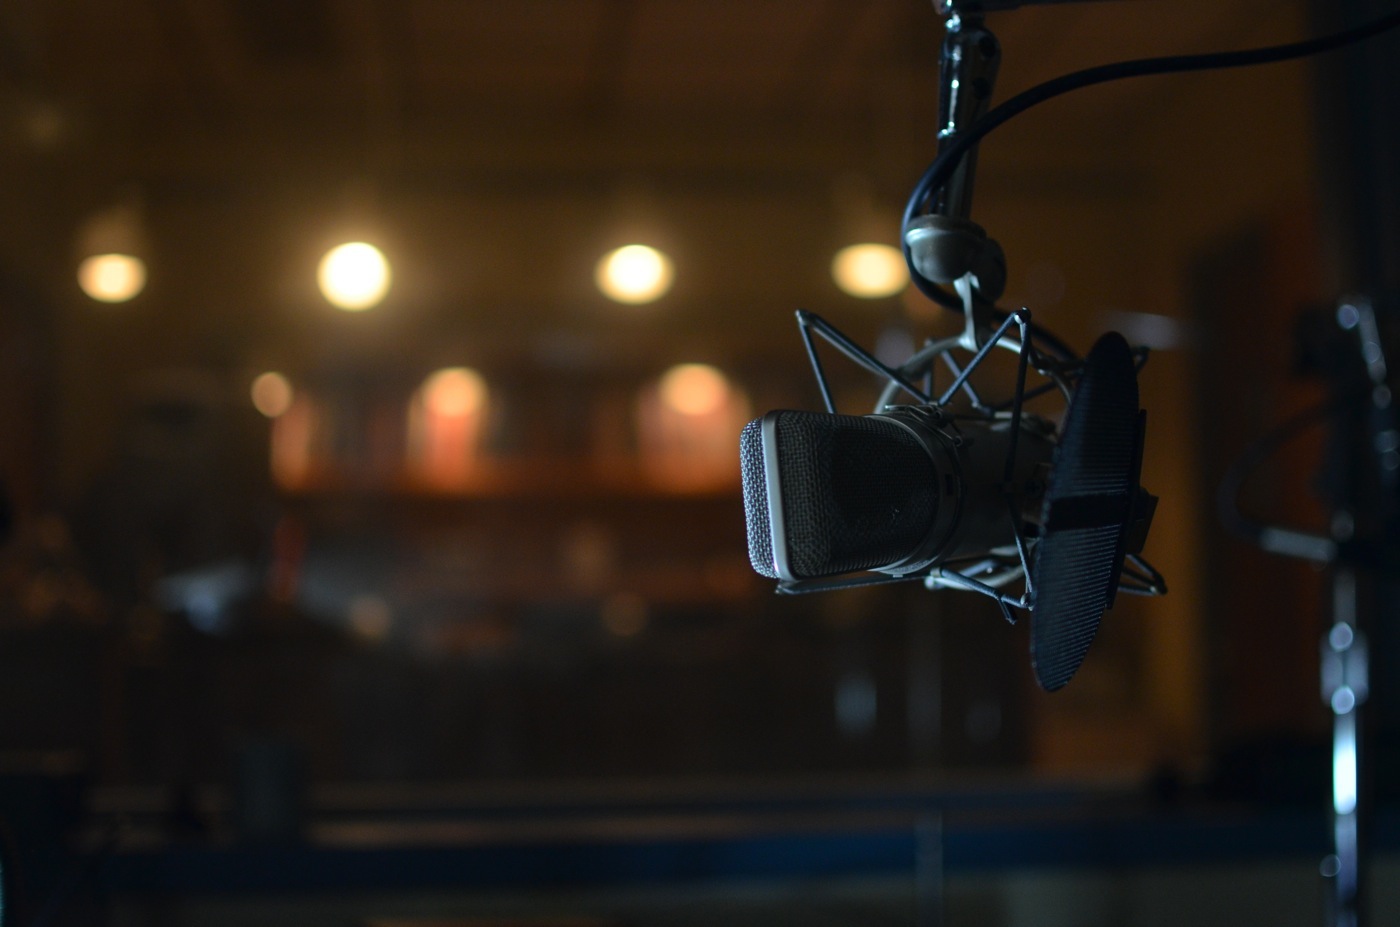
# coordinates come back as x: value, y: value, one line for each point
x: 979, y: 499
x: 893, y: 492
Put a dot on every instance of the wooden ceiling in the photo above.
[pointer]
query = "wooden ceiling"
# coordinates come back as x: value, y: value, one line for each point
x: 497, y: 148
x: 555, y: 87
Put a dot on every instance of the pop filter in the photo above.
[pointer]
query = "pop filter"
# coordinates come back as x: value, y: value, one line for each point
x: 1090, y: 502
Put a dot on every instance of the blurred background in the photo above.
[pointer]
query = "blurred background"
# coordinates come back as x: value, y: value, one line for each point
x: 410, y: 583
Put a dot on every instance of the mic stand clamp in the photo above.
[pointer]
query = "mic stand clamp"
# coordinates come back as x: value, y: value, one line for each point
x: 946, y: 248
x: 945, y: 245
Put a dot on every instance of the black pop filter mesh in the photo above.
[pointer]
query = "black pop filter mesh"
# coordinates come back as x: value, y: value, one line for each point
x: 1088, y: 501
x: 856, y: 493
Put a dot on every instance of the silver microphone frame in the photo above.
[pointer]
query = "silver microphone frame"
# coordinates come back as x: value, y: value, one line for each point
x: 985, y: 575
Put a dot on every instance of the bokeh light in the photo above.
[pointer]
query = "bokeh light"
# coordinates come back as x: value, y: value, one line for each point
x: 370, y: 617
x: 624, y: 614
x: 634, y: 274
x: 112, y: 278
x: 354, y: 276
x: 694, y: 389
x: 272, y: 394
x: 454, y: 392
x: 870, y: 271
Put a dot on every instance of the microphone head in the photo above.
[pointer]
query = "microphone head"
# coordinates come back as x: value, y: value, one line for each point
x: 829, y: 494
x: 1089, y: 499
x: 976, y: 499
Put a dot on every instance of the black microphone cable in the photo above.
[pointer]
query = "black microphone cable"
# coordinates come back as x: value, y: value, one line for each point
x: 947, y: 161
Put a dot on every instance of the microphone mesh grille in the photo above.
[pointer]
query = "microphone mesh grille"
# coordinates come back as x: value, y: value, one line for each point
x: 859, y: 493
x: 756, y: 499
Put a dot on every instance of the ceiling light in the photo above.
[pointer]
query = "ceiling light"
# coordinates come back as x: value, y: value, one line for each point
x: 870, y: 271
x: 354, y: 276
x: 112, y: 278
x: 634, y: 274
x: 111, y: 244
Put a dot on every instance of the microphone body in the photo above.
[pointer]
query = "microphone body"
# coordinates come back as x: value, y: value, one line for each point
x: 896, y: 492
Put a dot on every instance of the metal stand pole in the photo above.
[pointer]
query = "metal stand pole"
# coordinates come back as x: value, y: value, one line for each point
x: 1362, y: 481
x: 1345, y: 685
x: 1366, y: 453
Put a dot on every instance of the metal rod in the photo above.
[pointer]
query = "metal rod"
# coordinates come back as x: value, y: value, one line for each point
x: 967, y: 73
x: 973, y: 396
x: 941, y: 577
x: 1023, y: 359
x: 810, y: 321
x: 977, y: 359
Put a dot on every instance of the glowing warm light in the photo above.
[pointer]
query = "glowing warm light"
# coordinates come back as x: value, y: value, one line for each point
x: 272, y: 394
x: 624, y: 614
x: 354, y: 276
x: 454, y: 392
x: 294, y: 436
x: 870, y: 271
x: 445, y: 427
x: 686, y: 423
x: 112, y: 278
x: 634, y: 274
x: 370, y: 617
x: 694, y: 389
